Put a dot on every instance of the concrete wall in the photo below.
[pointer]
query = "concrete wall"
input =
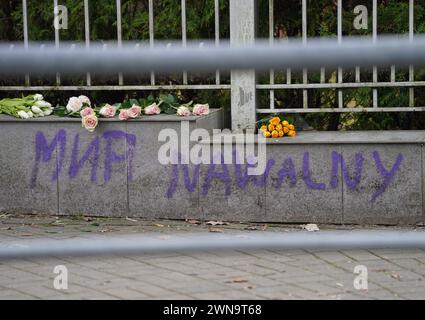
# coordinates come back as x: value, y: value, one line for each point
x: 54, y: 166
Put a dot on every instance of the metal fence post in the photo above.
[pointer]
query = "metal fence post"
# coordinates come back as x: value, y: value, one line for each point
x: 243, y: 82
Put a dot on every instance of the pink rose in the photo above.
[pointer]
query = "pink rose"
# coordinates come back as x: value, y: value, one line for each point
x: 108, y: 111
x: 152, y: 109
x: 124, y: 115
x: 86, y: 112
x: 201, y: 109
x: 183, y: 111
x: 90, y: 122
x: 134, y: 111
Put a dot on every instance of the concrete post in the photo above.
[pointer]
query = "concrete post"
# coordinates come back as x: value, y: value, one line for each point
x: 242, y: 33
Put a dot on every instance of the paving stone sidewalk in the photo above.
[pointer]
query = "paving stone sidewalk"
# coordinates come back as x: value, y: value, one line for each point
x: 266, y: 274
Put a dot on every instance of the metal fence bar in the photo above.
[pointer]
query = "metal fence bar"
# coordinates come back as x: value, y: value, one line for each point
x: 295, y: 86
x: 57, y: 37
x: 119, y: 37
x: 151, y: 36
x: 345, y: 85
x: 25, y: 31
x: 184, y: 33
x: 357, y: 74
x: 343, y: 110
x: 118, y: 88
x: 317, y: 53
x: 339, y: 33
x: 153, y: 243
x: 374, y: 37
x: 322, y: 75
x: 87, y: 33
x: 411, y: 35
x: 260, y: 56
x: 217, y: 33
x: 304, y: 37
x: 392, y: 76
x: 271, y: 38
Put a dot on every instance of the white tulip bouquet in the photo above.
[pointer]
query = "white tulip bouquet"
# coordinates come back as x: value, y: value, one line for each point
x: 32, y: 106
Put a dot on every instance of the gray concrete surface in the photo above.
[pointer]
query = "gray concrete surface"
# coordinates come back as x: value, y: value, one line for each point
x: 262, y: 274
x: 379, y: 181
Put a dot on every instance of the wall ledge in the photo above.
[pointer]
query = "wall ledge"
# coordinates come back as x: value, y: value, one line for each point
x: 354, y: 137
x: 345, y: 137
x: 156, y: 118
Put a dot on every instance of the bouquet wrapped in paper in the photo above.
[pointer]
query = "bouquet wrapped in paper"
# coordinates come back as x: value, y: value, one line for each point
x: 32, y: 106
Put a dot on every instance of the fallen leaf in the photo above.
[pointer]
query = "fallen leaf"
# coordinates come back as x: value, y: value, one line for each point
x: 264, y: 228
x: 193, y: 221
x: 251, y: 228
x: 216, y: 230
x: 129, y: 219
x: 311, y: 227
x: 237, y: 280
x: 395, y: 275
x: 216, y: 223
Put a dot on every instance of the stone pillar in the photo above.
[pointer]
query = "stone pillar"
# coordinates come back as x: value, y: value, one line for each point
x: 242, y: 33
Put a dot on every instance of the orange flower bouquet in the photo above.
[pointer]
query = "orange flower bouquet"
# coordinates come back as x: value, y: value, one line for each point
x: 277, y: 128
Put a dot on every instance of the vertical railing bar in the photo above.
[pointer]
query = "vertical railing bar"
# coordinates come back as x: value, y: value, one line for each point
x: 271, y: 39
x: 339, y: 34
x: 288, y: 76
x: 119, y: 37
x: 25, y: 27
x: 184, y: 33
x: 357, y: 74
x: 217, y: 34
x: 392, y: 73
x: 304, y: 39
x: 375, y: 35
x: 87, y: 32
x: 57, y: 36
x: 151, y: 36
x: 322, y: 75
x: 411, y: 36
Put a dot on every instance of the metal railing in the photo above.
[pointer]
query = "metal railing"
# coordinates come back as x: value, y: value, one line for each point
x: 242, y: 25
x: 199, y: 242
x: 90, y: 86
x: 305, y: 86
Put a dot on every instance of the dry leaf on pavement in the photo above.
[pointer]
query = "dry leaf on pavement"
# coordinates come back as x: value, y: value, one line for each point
x: 311, y: 227
x: 395, y: 275
x: 237, y: 280
x: 193, y: 221
x: 216, y: 223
